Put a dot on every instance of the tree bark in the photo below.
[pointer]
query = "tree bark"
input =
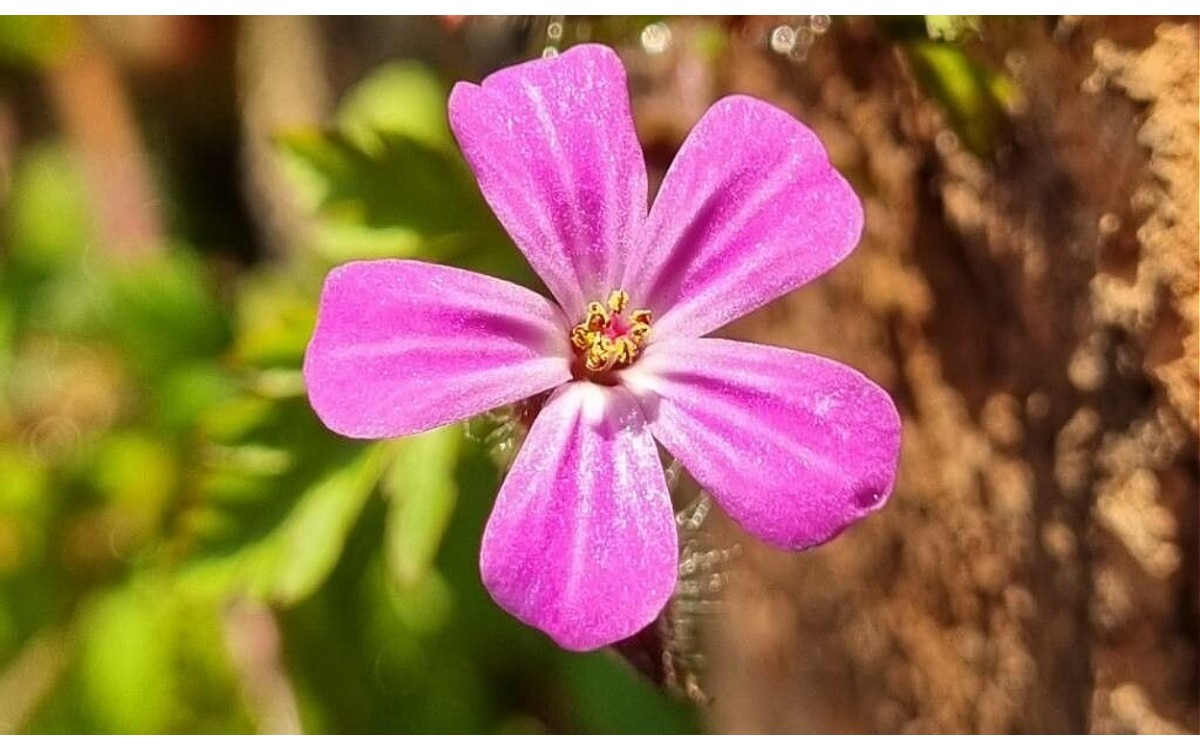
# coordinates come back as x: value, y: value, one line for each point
x: 1034, y: 312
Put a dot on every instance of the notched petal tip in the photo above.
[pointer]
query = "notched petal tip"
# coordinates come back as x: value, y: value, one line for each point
x: 595, y: 56
x: 553, y: 147
x: 578, y: 56
x: 462, y: 96
x: 597, y: 65
x: 462, y: 108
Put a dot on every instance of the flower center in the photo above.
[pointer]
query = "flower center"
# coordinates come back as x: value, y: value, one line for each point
x: 608, y: 338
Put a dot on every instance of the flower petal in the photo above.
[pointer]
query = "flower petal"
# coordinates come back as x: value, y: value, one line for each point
x: 582, y: 541
x: 553, y: 147
x: 403, y: 346
x: 793, y: 446
x: 750, y: 209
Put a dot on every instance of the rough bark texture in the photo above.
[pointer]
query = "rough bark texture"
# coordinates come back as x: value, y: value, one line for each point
x: 1034, y: 312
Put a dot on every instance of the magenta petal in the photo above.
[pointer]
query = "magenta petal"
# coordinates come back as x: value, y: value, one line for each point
x: 403, y: 346
x: 793, y: 446
x: 582, y: 542
x: 553, y: 147
x: 750, y: 209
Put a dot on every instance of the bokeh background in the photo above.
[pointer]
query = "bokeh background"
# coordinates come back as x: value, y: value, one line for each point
x: 183, y: 547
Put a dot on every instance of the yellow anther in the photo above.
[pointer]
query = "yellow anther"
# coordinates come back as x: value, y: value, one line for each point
x: 581, y: 337
x: 597, y: 317
x: 617, y: 300
x: 624, y: 351
x: 638, y: 332
x: 606, y: 338
x: 599, y: 356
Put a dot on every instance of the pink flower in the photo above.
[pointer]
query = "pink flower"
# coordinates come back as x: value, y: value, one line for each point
x: 582, y: 540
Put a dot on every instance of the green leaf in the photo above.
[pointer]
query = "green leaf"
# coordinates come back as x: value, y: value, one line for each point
x: 608, y: 697
x: 153, y: 658
x: 275, y: 319
x: 187, y: 393
x: 25, y: 482
x: 26, y: 501
x: 125, y: 661
x: 421, y: 489
x: 397, y: 182
x: 8, y: 331
x: 163, y: 313
x: 48, y: 217
x: 230, y: 420
x: 402, y: 98
x: 137, y: 476
x: 298, y: 557
x: 969, y: 94
x: 35, y: 40
x: 389, y: 181
x: 950, y: 28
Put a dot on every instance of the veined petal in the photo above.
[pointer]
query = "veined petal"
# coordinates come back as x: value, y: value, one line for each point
x: 553, y: 147
x: 403, y: 346
x: 750, y: 209
x: 793, y: 446
x: 582, y: 542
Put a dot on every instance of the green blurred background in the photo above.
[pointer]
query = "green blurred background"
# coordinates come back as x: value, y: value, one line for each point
x: 183, y: 546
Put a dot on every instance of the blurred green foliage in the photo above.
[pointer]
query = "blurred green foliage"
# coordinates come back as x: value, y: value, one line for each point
x: 976, y: 97
x: 183, y: 546
x: 973, y: 96
x: 389, y: 180
x: 34, y: 40
x: 950, y: 28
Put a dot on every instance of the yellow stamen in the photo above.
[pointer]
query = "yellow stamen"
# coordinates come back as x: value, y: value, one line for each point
x: 624, y: 351
x: 617, y: 300
x: 638, y: 332
x: 606, y: 339
x: 597, y: 317
x: 581, y: 337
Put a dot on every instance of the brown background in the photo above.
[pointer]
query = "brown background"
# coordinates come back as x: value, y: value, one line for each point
x: 1034, y: 312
